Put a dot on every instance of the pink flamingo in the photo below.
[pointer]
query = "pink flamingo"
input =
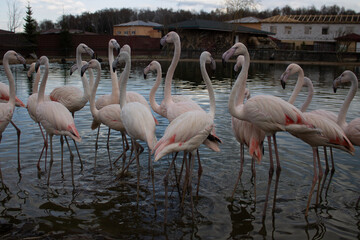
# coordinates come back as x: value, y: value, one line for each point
x: 55, y: 118
x: 7, y: 109
x: 112, y: 98
x: 331, y: 134
x: 32, y: 103
x: 138, y: 121
x: 269, y: 113
x: 293, y: 69
x: 188, y: 131
x: 172, y: 107
x: 72, y: 97
x: 110, y: 114
x: 352, y: 129
x: 247, y: 134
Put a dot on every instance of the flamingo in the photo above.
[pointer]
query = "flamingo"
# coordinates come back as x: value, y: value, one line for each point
x: 72, y: 97
x: 55, y: 118
x: 269, y: 113
x: 7, y: 109
x: 331, y: 134
x: 352, y: 129
x: 112, y: 98
x: 294, y: 68
x: 32, y: 103
x: 247, y: 134
x: 189, y: 130
x: 110, y: 114
x: 138, y: 121
x: 172, y: 107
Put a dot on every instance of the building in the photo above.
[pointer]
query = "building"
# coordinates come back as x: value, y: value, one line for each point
x: 251, y: 22
x: 137, y: 28
x: 311, y: 32
x: 198, y: 35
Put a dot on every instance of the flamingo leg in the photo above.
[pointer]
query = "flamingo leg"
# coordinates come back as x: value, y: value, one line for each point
x: 96, y: 145
x: 313, y: 181
x: 77, y: 150
x: 18, y: 131
x: 1, y: 177
x: 271, y: 172
x: 51, y: 159
x: 186, y: 178
x: 152, y: 177
x: 326, y: 161
x: 108, y: 148
x: 254, y: 175
x: 200, y: 170
x: 192, y: 160
x: 42, y: 151
x: 320, y: 175
x: 62, y: 154
x: 241, y: 169
x: 166, y: 182
x: 125, y: 145
x: 332, y: 160
x: 71, y: 162
x: 278, y: 167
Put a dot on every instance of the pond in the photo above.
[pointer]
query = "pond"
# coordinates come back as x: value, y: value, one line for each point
x: 99, y: 206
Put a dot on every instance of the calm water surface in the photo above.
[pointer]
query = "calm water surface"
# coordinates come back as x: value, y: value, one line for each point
x: 101, y: 207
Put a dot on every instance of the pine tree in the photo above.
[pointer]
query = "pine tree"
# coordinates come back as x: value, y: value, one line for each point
x: 30, y: 25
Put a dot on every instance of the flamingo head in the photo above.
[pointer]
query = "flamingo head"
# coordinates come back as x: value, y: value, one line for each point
x: 240, y: 60
x: 153, y: 66
x: 345, y: 77
x: 14, y: 56
x: 237, y: 49
x: 113, y: 44
x: 207, y: 58
x: 41, y: 61
x: 122, y: 57
x: 170, y: 37
x: 126, y: 48
x: 83, y: 48
x: 93, y: 63
x: 31, y: 70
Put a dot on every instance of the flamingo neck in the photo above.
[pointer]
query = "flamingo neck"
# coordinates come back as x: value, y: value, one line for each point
x: 124, y: 81
x: 93, y: 109
x: 114, y: 82
x: 346, y: 104
x: 36, y: 82
x: 171, y: 70
x: 207, y: 81
x: 309, y: 96
x: 154, y: 105
x: 238, y: 90
x: 298, y: 86
x: 11, y: 80
x: 84, y: 80
x: 41, y: 93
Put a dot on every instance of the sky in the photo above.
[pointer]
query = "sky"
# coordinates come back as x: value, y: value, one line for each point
x: 53, y: 10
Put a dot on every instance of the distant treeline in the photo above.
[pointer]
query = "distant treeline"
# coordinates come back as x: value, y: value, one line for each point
x: 102, y: 21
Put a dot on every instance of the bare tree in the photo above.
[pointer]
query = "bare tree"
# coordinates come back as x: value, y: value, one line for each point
x: 14, y: 14
x: 233, y: 6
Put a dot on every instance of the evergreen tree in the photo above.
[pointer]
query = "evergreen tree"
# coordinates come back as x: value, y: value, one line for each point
x: 30, y: 25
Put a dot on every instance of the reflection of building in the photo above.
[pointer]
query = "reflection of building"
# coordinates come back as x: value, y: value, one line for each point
x: 311, y: 32
x: 137, y: 28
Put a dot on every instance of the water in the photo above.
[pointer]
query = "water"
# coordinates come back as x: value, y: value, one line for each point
x: 101, y: 207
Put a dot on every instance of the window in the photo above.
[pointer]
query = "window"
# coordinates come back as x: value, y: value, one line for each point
x: 307, y: 30
x: 273, y: 29
x: 118, y: 32
x: 287, y: 30
x: 126, y: 32
x: 133, y: 32
x: 325, y: 31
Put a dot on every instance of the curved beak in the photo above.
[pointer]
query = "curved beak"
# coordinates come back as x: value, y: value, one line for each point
x: 338, y: 79
x: 146, y: 71
x: 84, y: 68
x: 227, y: 55
x: 115, y: 64
x: 163, y: 41
x: 283, y: 79
x: 73, y: 69
x: 37, y: 65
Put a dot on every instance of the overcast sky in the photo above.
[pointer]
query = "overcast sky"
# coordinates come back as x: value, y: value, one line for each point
x: 52, y: 10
